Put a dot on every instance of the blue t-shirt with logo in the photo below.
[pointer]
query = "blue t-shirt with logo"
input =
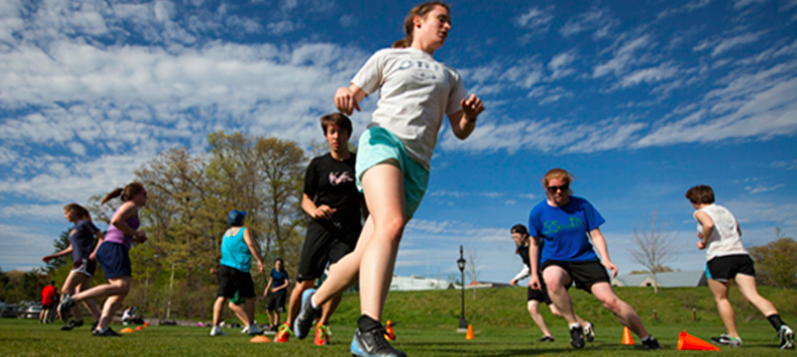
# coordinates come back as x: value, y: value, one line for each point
x: 278, y: 279
x: 565, y: 230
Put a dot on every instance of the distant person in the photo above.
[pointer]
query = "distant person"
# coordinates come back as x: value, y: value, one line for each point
x: 334, y: 204
x: 394, y: 156
x: 276, y: 290
x: 564, y: 225
x: 48, y: 302
x: 534, y: 297
x: 114, y: 258
x: 726, y: 260
x: 237, y: 250
x: 84, y: 261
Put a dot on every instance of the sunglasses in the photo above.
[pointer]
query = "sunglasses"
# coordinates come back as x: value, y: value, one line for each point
x: 553, y: 189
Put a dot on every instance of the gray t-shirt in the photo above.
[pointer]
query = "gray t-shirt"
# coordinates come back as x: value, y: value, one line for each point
x: 415, y: 92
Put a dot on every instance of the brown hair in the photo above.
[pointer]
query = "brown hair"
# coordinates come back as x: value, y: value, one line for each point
x: 338, y: 119
x: 557, y: 173
x: 127, y: 193
x: 80, y: 211
x: 520, y: 229
x: 409, y: 24
x: 700, y: 194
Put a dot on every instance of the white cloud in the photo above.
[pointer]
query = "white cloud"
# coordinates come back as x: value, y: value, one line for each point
x: 536, y: 19
x: 687, y: 8
x: 788, y: 165
x: 738, y: 4
x: 560, y: 64
x: 649, y: 75
x: 760, y: 188
x: 624, y: 57
x: 729, y: 43
x: 41, y: 213
x: 597, y: 19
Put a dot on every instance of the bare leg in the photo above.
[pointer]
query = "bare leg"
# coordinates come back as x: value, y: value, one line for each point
x: 295, y: 301
x: 720, y: 291
x: 556, y: 313
x: 747, y: 287
x: 249, y: 307
x: 236, y: 309
x: 346, y: 271
x: 329, y: 308
x: 90, y: 304
x: 625, y: 314
x: 112, y: 304
x: 217, y: 306
x: 556, y: 280
x: 533, y: 307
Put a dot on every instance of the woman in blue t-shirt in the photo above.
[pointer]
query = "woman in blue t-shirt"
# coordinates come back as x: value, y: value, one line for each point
x: 566, y: 224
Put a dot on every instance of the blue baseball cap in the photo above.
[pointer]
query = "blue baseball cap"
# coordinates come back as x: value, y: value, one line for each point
x: 236, y: 217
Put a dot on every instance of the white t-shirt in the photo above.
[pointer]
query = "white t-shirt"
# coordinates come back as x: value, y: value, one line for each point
x: 415, y: 92
x: 725, y: 239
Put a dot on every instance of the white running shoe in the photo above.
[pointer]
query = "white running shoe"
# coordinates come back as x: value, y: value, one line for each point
x: 253, y: 330
x: 216, y: 331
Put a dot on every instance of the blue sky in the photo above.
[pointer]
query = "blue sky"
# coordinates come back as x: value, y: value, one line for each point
x: 639, y: 99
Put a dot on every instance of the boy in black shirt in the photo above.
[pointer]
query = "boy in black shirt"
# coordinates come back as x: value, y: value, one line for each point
x: 333, y: 202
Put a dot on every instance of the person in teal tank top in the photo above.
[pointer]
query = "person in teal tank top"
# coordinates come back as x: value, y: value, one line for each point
x: 237, y: 250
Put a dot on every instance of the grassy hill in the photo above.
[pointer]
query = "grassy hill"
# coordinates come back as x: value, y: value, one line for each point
x: 505, y: 307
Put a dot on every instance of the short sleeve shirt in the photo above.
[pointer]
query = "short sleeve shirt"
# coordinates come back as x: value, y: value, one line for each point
x: 564, y: 231
x: 331, y: 182
x: 416, y: 91
x: 81, y: 236
x: 278, y: 279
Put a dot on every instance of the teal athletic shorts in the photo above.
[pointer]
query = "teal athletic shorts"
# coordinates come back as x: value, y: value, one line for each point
x: 378, y: 145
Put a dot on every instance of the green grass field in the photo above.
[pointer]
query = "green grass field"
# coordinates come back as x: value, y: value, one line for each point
x: 427, y: 328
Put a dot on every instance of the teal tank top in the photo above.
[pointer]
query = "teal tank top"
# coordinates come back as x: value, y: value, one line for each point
x: 234, y: 251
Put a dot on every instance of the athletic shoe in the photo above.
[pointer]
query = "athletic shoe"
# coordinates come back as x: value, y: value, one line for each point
x: 283, y: 334
x: 94, y: 325
x: 245, y: 329
x: 373, y: 344
x: 65, y: 307
x: 107, y: 333
x: 651, y: 343
x: 303, y: 323
x: 71, y: 324
x: 577, y: 337
x: 726, y: 340
x: 216, y: 331
x: 253, y: 330
x: 546, y: 339
x: 321, y: 335
x: 786, y: 337
x: 589, y: 332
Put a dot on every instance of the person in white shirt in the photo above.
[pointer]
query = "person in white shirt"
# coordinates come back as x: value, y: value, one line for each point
x: 726, y: 259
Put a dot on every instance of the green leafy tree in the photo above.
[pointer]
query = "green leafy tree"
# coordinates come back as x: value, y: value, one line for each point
x: 774, y: 262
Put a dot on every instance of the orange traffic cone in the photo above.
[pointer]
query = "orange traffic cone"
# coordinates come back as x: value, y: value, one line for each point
x: 628, y: 339
x: 687, y: 342
x: 259, y: 339
x: 146, y: 324
x: 469, y: 335
x: 139, y: 328
x: 127, y: 330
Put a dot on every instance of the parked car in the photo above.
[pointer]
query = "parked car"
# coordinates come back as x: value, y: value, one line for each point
x: 31, y: 312
x: 8, y: 310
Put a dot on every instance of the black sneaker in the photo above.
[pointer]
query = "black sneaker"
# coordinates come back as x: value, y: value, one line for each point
x: 71, y: 324
x: 303, y: 323
x: 107, y: 333
x: 577, y: 337
x: 651, y: 344
x: 94, y: 325
x: 65, y: 307
x: 546, y: 339
x: 726, y: 340
x: 373, y: 344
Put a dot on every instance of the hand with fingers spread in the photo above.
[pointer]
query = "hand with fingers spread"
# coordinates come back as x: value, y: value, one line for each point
x: 345, y: 101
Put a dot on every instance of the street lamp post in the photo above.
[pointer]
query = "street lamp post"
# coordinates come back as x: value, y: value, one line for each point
x: 463, y: 324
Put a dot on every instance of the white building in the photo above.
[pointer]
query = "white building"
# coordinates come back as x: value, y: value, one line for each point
x: 666, y: 280
x: 415, y: 283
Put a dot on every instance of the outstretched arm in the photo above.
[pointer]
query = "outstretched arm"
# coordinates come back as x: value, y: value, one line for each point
x: 62, y: 253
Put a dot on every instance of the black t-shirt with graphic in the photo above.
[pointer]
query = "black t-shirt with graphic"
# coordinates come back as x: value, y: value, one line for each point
x: 332, y: 182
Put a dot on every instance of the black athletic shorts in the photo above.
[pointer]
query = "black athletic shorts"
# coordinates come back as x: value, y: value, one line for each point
x: 326, y: 242
x: 538, y: 295
x: 726, y: 267
x: 233, y: 280
x: 276, y: 302
x: 584, y: 274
